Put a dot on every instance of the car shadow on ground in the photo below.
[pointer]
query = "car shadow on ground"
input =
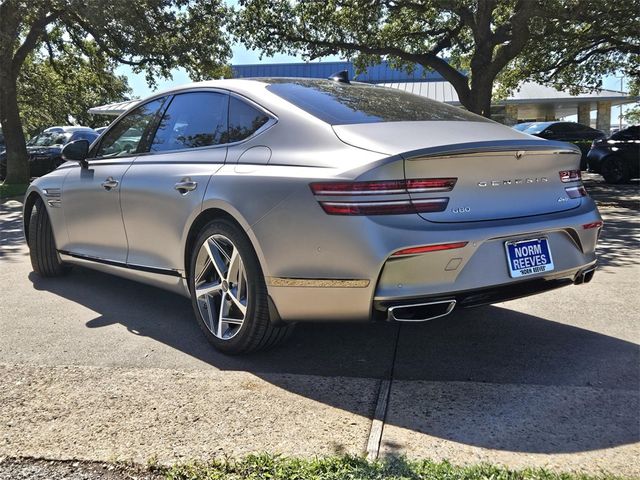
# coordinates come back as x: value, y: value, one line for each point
x: 490, y: 346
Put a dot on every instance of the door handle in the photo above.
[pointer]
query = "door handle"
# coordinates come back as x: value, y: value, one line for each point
x: 185, y: 186
x: 110, y: 183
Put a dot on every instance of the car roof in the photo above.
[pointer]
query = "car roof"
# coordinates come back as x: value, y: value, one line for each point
x: 248, y: 86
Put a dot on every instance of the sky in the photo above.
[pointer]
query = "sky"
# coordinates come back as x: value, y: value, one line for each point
x: 242, y: 56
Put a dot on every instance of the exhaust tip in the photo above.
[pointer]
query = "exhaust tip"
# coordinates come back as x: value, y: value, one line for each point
x: 585, y: 276
x: 421, y: 312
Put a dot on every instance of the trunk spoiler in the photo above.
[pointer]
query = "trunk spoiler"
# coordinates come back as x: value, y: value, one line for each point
x: 493, y: 146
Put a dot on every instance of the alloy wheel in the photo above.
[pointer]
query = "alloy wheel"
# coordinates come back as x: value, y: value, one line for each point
x: 613, y: 170
x: 221, y: 287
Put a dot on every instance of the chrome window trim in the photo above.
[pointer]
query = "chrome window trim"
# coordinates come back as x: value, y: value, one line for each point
x: 124, y: 160
x: 273, y: 119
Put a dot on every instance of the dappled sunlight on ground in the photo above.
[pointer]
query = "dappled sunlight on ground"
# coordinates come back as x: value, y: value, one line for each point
x: 11, y: 236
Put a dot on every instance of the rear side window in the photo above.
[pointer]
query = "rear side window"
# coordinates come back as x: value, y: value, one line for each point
x: 340, y: 104
x: 244, y: 120
x: 192, y: 120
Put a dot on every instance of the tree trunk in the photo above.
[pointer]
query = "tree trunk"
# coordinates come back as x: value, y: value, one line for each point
x: 479, y: 100
x: 17, y: 162
x: 480, y: 103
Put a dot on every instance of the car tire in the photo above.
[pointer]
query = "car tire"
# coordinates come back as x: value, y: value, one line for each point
x: 224, y: 274
x: 614, y: 170
x: 45, y: 259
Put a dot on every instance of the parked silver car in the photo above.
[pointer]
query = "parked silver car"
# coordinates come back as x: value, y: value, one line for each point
x: 274, y: 201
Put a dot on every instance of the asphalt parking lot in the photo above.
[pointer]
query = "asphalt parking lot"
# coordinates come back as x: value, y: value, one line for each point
x: 99, y: 368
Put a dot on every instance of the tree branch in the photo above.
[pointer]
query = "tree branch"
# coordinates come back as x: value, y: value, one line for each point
x: 37, y: 30
x: 99, y: 41
x: 449, y: 73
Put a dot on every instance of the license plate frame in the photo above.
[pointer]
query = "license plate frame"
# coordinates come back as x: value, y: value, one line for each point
x: 524, y: 257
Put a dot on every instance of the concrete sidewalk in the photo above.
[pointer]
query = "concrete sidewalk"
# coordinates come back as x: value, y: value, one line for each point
x: 107, y: 414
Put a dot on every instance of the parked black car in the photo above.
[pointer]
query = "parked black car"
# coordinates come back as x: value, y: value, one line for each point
x: 45, y: 149
x: 572, y: 132
x: 617, y: 158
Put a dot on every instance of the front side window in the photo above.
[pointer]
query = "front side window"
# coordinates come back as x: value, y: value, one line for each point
x: 574, y: 128
x: 244, y: 120
x: 125, y: 137
x: 192, y: 120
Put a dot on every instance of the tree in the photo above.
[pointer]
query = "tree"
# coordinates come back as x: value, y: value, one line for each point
x: 577, y: 48
x: 60, y: 93
x: 153, y: 36
x: 472, y: 43
x: 632, y: 115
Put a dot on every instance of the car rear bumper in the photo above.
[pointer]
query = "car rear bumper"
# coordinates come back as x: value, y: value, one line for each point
x: 492, y: 294
x: 473, y: 275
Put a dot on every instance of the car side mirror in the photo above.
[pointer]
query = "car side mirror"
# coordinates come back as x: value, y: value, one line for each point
x: 76, y: 151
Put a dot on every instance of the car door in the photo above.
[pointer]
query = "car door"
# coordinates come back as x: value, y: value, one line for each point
x: 164, y: 188
x: 91, y: 194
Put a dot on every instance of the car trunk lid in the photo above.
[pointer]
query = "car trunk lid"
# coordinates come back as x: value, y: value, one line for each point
x: 514, y: 175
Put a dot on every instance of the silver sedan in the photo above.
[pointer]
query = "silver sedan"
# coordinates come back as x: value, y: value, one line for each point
x: 273, y: 201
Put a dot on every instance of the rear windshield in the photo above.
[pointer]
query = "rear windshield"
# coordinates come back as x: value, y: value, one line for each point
x: 341, y: 104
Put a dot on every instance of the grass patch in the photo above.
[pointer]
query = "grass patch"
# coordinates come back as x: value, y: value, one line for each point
x: 262, y: 467
x: 12, y: 190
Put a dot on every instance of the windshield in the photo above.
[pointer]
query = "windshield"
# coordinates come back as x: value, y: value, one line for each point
x: 536, y: 127
x: 630, y: 133
x: 521, y: 127
x: 49, y: 139
x: 340, y: 104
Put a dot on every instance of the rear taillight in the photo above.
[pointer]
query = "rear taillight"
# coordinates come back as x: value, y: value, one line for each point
x: 385, y: 208
x: 384, y: 187
x: 576, y: 192
x: 425, y: 185
x: 428, y: 248
x: 567, y: 176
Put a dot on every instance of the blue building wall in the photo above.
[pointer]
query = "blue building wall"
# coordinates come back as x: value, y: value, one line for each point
x: 381, y: 73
